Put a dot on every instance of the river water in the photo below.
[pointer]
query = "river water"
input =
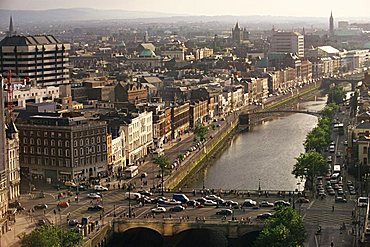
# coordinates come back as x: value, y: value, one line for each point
x: 265, y: 155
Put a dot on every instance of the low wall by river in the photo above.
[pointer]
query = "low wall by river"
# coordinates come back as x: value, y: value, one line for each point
x: 192, y: 164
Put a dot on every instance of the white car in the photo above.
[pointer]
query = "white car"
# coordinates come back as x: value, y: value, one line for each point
x: 210, y: 203
x: 213, y: 197
x: 159, y: 210
x: 93, y: 196
x: 172, y: 202
x: 100, y: 188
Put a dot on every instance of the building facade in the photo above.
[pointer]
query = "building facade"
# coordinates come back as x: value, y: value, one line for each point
x: 56, y: 148
x: 43, y: 59
x: 12, y: 161
x: 288, y: 42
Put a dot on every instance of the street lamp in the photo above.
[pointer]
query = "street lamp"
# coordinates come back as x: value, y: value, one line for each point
x: 129, y: 200
x: 114, y: 210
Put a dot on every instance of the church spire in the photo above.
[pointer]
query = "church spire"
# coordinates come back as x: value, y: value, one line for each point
x: 331, y: 24
x: 11, y: 27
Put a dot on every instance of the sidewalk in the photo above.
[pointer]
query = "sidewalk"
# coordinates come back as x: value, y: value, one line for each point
x: 22, y: 225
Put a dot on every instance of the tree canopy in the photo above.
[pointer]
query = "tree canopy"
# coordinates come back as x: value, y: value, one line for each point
x: 309, y: 165
x: 336, y: 95
x: 51, y: 236
x: 163, y: 163
x: 284, y: 229
x: 200, y: 132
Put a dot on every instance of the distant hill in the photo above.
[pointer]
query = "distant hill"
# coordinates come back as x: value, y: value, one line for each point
x: 78, y: 14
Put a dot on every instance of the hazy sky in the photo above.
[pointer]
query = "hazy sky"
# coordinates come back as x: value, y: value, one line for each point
x: 353, y: 8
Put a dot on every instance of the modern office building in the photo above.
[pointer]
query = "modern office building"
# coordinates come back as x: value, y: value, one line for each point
x: 288, y: 42
x: 42, y: 58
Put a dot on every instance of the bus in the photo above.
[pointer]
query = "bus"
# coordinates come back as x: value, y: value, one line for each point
x: 339, y: 127
x: 131, y: 171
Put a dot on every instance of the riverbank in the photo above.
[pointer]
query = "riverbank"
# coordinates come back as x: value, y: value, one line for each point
x: 215, y: 146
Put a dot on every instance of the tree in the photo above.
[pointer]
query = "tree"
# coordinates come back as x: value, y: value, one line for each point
x: 181, y: 156
x: 309, y: 165
x: 163, y: 163
x: 200, y: 132
x: 336, y: 95
x: 284, y: 229
x: 51, y: 236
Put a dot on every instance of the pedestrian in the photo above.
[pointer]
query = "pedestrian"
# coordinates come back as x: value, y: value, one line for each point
x: 332, y: 208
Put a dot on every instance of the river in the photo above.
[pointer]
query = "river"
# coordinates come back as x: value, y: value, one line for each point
x: 265, y: 155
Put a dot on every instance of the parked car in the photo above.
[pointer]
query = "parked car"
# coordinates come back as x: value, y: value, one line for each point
x: 249, y: 203
x: 70, y: 184
x: 159, y: 210
x: 302, y: 200
x: 143, y: 175
x: 210, y: 203
x: 172, y: 202
x: 40, y: 206
x: 93, y: 196
x: 225, y: 212
x: 41, y: 222
x: 193, y: 203
x: 177, y: 209
x: 340, y: 199
x: 281, y: 203
x: 145, y: 193
x: 266, y: 204
x: 95, y: 208
x: 264, y: 216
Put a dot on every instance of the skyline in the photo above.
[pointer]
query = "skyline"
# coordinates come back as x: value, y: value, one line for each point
x: 358, y: 8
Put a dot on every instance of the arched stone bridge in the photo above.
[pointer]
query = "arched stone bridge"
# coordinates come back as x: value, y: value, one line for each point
x: 170, y: 227
x: 354, y: 81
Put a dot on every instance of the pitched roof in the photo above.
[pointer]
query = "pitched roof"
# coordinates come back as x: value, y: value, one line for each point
x: 29, y: 40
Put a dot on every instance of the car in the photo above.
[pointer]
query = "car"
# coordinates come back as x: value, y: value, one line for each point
x: 331, y: 192
x: 73, y: 222
x: 225, y: 212
x: 249, y: 203
x: 340, y: 192
x: 145, y: 193
x: 264, y: 204
x: 340, y: 199
x: 70, y: 184
x: 93, y: 196
x: 302, y: 200
x: 210, y: 203
x: 352, y: 192
x: 159, y: 210
x: 213, y: 197
x: 100, y: 188
x: 143, y: 175
x: 41, y: 222
x: 15, y: 204
x: 337, y: 186
x: 201, y: 200
x: 95, y: 208
x: 40, y: 206
x: 264, y: 216
x: 351, y: 187
x: 322, y: 194
x: 281, y: 203
x: 63, y: 204
x: 231, y: 203
x: 172, y: 202
x: 177, y: 209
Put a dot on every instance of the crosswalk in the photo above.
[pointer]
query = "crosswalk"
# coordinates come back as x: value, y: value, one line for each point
x: 320, y: 212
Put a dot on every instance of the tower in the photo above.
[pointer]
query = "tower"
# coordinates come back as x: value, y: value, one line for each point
x: 146, y: 37
x: 331, y: 25
x: 237, y: 34
x: 11, y: 31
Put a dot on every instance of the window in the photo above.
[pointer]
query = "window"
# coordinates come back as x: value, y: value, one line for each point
x: 81, y: 142
x: 32, y: 150
x: 25, y: 149
x: 67, y: 162
x: 52, y: 151
x: 87, y: 150
x: 93, y: 149
x: 59, y: 135
x: 104, y: 148
x: 98, y: 139
x: 38, y: 133
x: 67, y: 152
x: 38, y: 150
x: 75, y: 152
x: 60, y: 143
x: 38, y: 141
x: 52, y: 134
x: 81, y: 151
x: 25, y: 140
x: 46, y: 143
x: 98, y: 148
x: 46, y: 151
x: 46, y: 161
x: 67, y: 143
x: 104, y: 138
x: 60, y: 152
x: 92, y: 140
x: 53, y: 162
x: 364, y: 150
x: 75, y: 143
x: 52, y: 143
x: 45, y: 133
x: 32, y: 141
x: 87, y: 141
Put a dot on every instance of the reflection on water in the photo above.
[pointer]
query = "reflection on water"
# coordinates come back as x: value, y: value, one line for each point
x: 266, y: 154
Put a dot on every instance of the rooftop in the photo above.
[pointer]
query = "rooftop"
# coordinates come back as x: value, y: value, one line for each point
x: 29, y: 40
